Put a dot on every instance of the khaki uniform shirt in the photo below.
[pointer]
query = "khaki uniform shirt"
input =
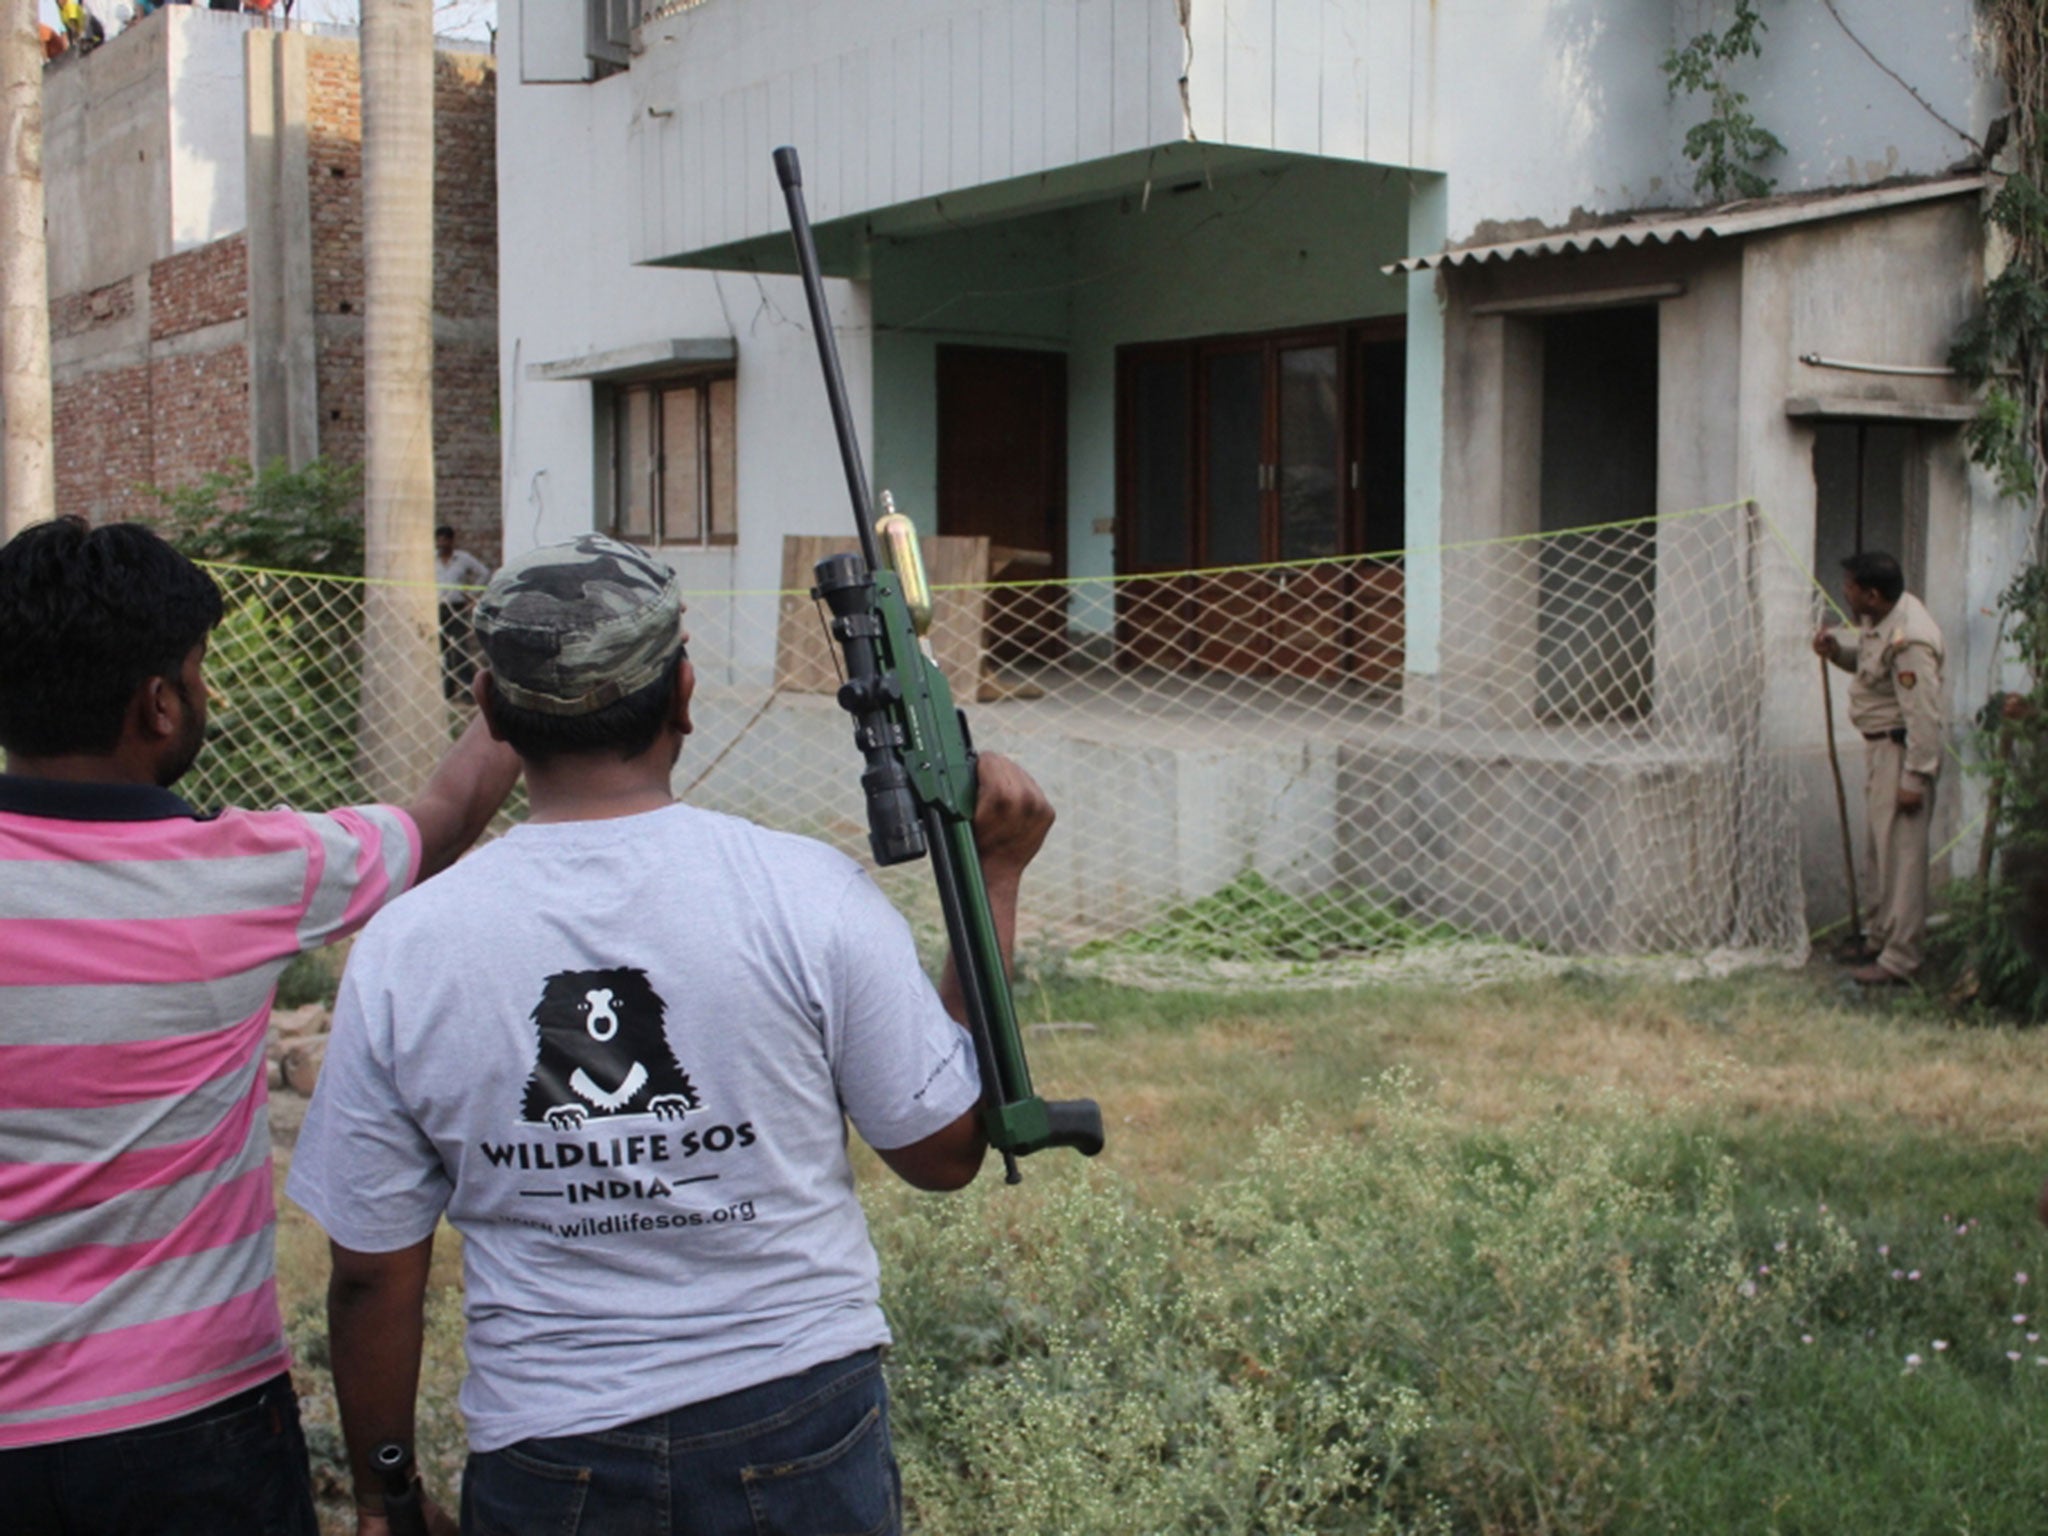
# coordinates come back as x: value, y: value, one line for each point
x: 1897, y: 661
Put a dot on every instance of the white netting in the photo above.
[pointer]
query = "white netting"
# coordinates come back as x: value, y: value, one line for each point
x: 1255, y: 766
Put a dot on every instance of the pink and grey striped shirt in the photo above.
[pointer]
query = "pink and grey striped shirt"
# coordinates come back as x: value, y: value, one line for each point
x: 140, y: 947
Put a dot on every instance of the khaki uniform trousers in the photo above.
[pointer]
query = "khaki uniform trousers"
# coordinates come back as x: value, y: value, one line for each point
x: 1896, y: 925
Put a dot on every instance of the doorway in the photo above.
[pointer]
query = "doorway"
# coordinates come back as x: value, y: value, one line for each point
x: 1003, y: 477
x: 1597, y: 592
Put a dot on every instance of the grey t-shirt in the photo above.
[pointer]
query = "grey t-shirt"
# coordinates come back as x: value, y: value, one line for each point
x: 621, y: 1054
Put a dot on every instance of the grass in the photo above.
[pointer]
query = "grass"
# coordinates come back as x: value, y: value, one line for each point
x: 1251, y: 919
x: 1493, y: 1261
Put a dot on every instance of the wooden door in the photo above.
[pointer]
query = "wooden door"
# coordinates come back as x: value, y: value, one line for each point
x: 1266, y: 463
x: 1003, y: 477
x: 1155, y: 484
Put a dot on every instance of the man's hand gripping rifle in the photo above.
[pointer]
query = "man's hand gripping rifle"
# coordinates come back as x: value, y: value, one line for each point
x: 920, y: 779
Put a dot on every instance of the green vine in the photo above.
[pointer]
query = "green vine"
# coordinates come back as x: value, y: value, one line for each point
x: 1729, y: 145
x: 1999, y: 921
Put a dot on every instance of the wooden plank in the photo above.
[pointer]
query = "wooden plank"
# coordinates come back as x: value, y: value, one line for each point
x: 994, y: 84
x: 1027, y: 86
x: 1131, y: 46
x: 1096, y: 79
x: 1341, y: 133
x: 732, y: 124
x: 806, y: 658
x: 821, y: 139
x: 903, y: 106
x: 776, y: 126
x: 690, y: 194
x: 1391, y: 80
x: 935, y: 117
x: 963, y: 96
x: 874, y: 106
x: 851, y: 118
x: 1248, y: 74
x: 1298, y: 61
x: 1059, y: 81
x: 756, y: 189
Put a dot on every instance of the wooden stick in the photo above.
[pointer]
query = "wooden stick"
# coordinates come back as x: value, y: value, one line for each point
x: 1827, y: 695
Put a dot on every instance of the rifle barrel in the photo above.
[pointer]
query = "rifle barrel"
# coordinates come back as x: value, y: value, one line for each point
x: 791, y: 175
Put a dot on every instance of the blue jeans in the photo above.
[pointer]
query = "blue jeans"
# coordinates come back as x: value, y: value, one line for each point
x: 808, y: 1455
x: 236, y: 1468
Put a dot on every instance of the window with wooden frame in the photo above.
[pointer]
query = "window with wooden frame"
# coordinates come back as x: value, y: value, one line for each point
x: 674, y: 461
x: 1248, y: 469
x: 1240, y: 450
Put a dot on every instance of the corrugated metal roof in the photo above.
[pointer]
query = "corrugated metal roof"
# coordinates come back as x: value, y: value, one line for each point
x: 1678, y: 228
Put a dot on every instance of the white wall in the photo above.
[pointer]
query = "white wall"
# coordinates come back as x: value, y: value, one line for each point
x: 569, y: 289
x: 1545, y: 111
x: 106, y: 173
x: 1540, y: 111
x: 889, y: 102
x: 208, y: 130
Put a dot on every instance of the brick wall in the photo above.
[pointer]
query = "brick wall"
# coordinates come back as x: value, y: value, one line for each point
x: 103, y: 444
x: 208, y: 285
x: 199, y: 414
x: 466, y: 448
x: 174, y: 407
x: 126, y: 421
x: 334, y: 164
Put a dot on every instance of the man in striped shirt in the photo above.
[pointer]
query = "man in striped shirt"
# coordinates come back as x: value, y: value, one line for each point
x: 143, y: 1369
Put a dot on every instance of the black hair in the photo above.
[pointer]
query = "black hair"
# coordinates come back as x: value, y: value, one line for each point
x: 625, y: 728
x: 444, y: 528
x: 87, y: 616
x: 1880, y: 572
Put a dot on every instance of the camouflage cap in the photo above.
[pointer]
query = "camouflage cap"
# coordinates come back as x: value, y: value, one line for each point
x: 569, y: 628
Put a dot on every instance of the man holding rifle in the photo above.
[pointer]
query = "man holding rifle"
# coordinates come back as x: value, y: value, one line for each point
x: 619, y: 1049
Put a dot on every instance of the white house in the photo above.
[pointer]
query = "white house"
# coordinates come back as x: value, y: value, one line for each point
x: 1143, y: 287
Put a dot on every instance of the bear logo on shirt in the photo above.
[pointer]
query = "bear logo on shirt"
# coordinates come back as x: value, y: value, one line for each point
x: 604, y: 1051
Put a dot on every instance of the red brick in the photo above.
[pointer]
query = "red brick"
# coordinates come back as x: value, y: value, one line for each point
x: 197, y: 288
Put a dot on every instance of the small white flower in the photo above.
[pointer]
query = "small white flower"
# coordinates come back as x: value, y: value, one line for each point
x: 2033, y: 1338
x: 1807, y: 1338
x: 1963, y: 1230
x: 1823, y: 1207
x: 1780, y: 1245
x: 1763, y: 1269
x: 1747, y: 1288
x: 1912, y: 1361
x: 1898, y: 1274
x: 1884, y: 1250
x: 2041, y: 1359
x: 2013, y: 1355
x: 1912, y: 1274
x: 1940, y: 1344
x: 2019, y: 1319
x: 2020, y: 1278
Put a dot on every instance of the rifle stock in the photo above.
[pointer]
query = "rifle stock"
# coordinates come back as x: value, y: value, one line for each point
x: 919, y: 773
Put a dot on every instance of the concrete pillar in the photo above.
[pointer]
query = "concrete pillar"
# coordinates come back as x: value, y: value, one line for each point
x: 1428, y: 203
x: 284, y: 400
x: 1492, y: 491
x: 1704, y: 565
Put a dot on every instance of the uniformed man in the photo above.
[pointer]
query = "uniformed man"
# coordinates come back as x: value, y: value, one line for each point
x: 1895, y: 650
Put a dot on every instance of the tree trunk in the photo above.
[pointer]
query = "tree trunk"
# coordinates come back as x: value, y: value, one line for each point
x: 28, y: 485
x: 404, y: 724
